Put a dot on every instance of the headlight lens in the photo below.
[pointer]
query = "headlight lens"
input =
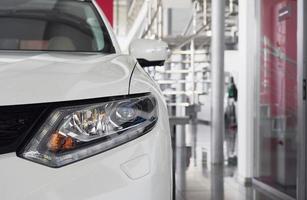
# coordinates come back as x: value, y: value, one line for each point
x: 74, y: 133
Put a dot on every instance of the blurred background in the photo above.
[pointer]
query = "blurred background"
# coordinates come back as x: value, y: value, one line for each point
x: 260, y: 120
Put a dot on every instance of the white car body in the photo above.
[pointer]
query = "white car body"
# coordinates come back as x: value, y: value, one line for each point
x: 138, y: 170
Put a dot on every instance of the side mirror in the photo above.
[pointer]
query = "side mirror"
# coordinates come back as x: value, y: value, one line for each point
x: 149, y: 52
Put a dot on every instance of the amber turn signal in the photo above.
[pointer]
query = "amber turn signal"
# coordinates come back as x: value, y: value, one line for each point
x: 58, y: 142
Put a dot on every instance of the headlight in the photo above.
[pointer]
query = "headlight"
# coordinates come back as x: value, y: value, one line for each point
x: 74, y: 133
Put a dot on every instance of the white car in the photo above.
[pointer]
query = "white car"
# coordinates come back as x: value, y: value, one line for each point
x: 79, y: 120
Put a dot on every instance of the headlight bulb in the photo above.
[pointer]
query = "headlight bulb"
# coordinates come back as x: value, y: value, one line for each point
x: 126, y: 113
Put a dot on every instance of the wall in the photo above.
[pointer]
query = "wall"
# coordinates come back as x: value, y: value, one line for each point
x: 107, y: 7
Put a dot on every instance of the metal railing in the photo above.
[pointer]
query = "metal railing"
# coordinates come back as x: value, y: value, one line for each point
x: 186, y: 77
x: 144, y: 21
x: 187, y: 74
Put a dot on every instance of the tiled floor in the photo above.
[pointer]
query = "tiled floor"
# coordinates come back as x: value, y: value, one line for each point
x: 195, y: 180
x: 201, y: 184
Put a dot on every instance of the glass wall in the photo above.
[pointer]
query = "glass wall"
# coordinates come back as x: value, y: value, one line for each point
x: 277, y: 104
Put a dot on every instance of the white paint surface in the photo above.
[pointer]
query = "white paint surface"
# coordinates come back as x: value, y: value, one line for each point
x: 246, y: 80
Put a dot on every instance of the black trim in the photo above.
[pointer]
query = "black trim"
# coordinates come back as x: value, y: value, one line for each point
x: 16, y: 122
x: 130, y: 79
x: 85, y: 102
x: 146, y: 63
x: 304, y: 89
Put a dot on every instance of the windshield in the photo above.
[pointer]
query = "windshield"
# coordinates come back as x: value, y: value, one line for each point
x: 52, y: 25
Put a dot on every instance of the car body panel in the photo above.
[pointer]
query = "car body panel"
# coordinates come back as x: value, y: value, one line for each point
x: 141, y: 82
x: 95, y: 178
x: 140, y: 169
x: 109, y: 175
x: 38, y: 77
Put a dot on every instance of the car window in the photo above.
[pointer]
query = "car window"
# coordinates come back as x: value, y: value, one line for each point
x: 52, y: 25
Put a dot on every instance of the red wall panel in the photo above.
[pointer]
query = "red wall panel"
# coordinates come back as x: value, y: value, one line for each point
x: 279, y: 68
x: 107, y: 7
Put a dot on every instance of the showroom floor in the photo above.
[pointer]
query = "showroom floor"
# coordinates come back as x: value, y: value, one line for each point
x: 197, y: 180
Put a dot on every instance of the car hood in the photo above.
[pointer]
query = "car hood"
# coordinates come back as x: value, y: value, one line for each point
x: 27, y: 78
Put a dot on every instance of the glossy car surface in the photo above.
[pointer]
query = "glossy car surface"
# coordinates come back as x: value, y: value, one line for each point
x: 35, y: 74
